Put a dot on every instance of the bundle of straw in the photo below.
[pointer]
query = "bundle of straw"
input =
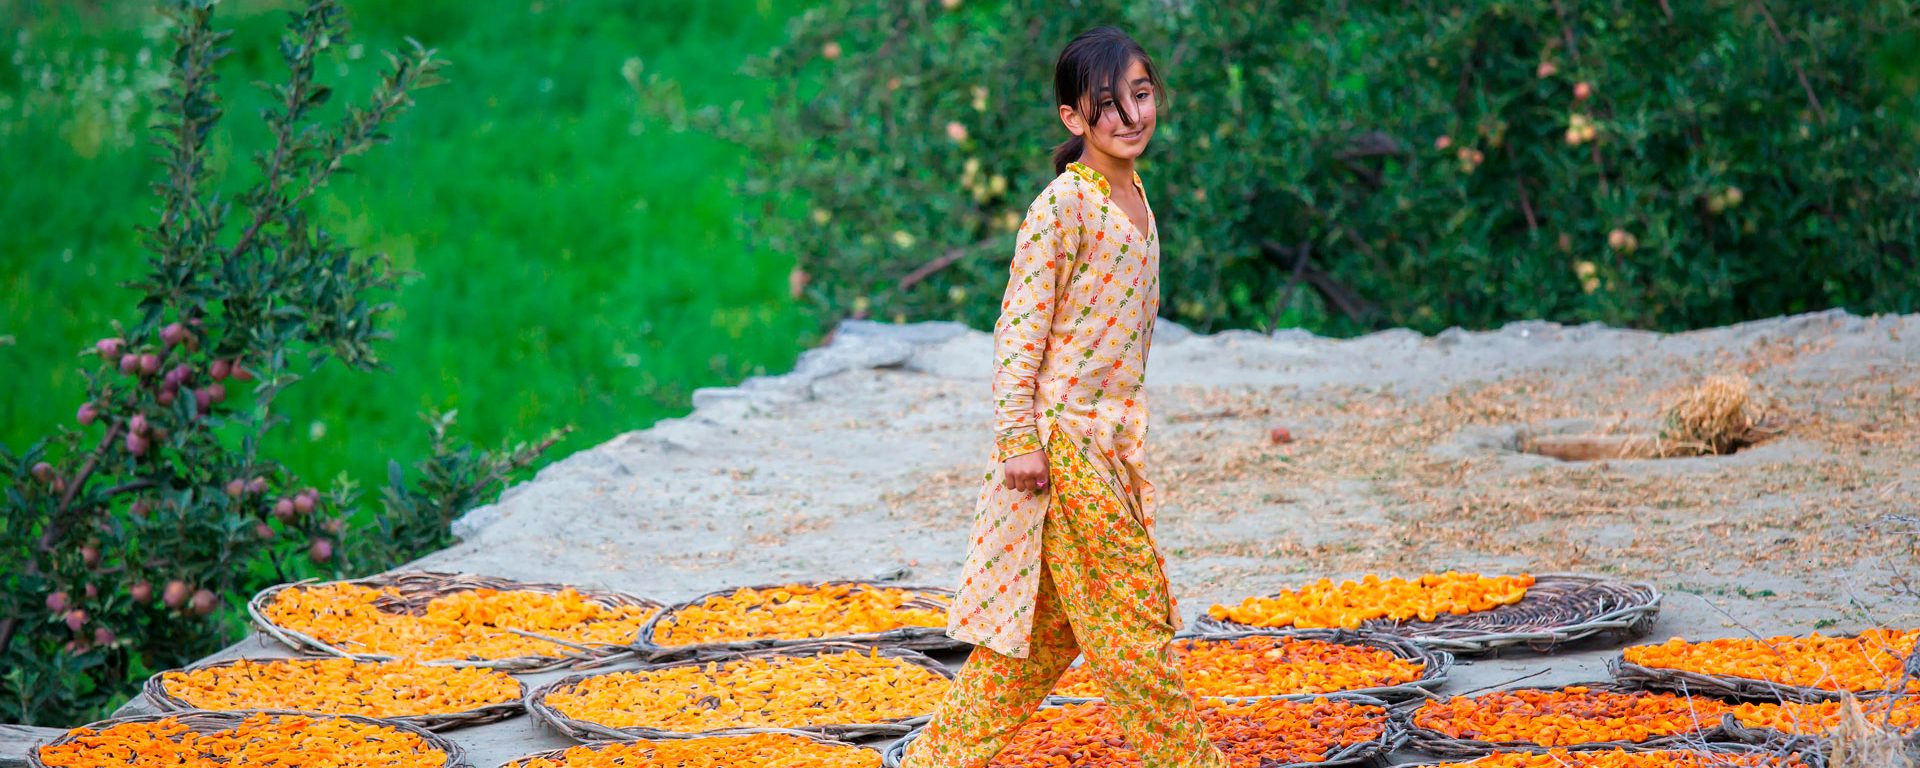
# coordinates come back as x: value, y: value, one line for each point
x: 1717, y: 417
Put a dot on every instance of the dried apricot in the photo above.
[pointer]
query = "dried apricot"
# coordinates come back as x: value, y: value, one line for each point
x: 774, y: 691
x: 1268, y: 665
x: 799, y: 612
x: 1348, y: 604
x: 1869, y: 661
x: 342, y: 687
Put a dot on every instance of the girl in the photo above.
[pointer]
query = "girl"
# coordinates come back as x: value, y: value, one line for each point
x: 1063, y: 559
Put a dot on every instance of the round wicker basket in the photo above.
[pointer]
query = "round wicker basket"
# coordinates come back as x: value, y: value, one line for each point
x: 156, y: 691
x: 418, y: 588
x: 1559, y: 608
x: 1733, y: 687
x: 586, y: 731
x: 915, y: 638
x: 1437, y: 664
x: 557, y: 754
x: 1438, y: 743
x: 1810, y: 759
x: 1353, y: 754
x: 210, y: 722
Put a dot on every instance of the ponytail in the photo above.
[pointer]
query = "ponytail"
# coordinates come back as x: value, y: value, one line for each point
x: 1091, y: 63
x: 1067, y: 152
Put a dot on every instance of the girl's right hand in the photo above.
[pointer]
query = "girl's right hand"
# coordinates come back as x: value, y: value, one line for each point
x: 1025, y: 472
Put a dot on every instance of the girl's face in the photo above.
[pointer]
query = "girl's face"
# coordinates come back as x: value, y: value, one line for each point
x: 1111, y: 136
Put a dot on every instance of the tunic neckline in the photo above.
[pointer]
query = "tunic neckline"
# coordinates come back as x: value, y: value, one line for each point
x: 1106, y: 190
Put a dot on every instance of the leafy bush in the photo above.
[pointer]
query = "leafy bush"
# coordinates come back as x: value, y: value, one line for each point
x: 130, y: 541
x: 1350, y: 166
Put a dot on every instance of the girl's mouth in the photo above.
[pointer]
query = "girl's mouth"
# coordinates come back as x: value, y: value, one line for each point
x: 1135, y: 134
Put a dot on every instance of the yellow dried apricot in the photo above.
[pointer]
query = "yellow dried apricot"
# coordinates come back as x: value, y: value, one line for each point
x: 799, y: 612
x: 849, y: 687
x: 1348, y: 604
x: 343, y: 687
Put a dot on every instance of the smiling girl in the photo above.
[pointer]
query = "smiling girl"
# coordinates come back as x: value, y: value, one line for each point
x: 1063, y: 559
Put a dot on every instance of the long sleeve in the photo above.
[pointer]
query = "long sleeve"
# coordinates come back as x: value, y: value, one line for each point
x: 1042, y: 257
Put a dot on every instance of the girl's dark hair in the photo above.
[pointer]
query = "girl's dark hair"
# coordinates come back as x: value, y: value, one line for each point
x: 1090, y: 64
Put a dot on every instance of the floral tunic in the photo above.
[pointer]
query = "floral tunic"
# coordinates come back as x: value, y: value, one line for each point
x: 1070, y: 355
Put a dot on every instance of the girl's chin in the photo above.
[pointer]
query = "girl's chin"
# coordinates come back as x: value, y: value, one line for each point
x: 1125, y: 149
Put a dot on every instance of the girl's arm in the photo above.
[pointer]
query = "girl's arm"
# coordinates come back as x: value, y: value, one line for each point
x: 1042, y: 258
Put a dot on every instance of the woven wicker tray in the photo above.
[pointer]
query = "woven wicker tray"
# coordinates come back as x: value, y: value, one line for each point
x: 1728, y: 686
x: 156, y: 692
x: 1433, y: 675
x: 1812, y: 759
x: 1438, y: 743
x: 417, y: 588
x: 209, y: 722
x: 1353, y: 754
x: 556, y: 754
x: 1559, y: 608
x: 915, y: 638
x: 1774, y: 739
x: 585, y: 731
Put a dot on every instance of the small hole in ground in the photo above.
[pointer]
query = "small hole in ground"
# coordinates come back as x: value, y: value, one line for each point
x: 1716, y: 417
x: 1593, y: 447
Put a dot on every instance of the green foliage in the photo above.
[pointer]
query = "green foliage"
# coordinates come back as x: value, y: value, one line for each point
x: 562, y: 259
x: 120, y: 552
x: 1351, y: 166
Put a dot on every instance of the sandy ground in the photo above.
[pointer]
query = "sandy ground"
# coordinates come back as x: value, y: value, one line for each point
x: 866, y: 460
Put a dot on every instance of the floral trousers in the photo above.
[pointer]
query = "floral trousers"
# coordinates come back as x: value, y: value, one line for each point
x: 1102, y: 593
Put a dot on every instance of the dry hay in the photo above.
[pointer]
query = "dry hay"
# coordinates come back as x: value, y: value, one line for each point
x: 1717, y: 417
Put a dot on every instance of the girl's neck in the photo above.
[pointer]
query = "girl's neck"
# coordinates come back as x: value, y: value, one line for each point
x: 1118, y: 171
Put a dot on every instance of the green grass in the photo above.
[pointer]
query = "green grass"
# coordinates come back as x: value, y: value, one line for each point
x: 578, y: 264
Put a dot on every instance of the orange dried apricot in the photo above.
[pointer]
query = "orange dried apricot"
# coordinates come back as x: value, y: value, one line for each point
x: 343, y: 687
x: 849, y: 687
x: 1251, y: 734
x: 760, y: 750
x: 1568, y: 716
x: 1902, y: 713
x: 1267, y: 665
x: 1348, y: 604
x: 260, y: 740
x: 798, y: 612
x: 1620, y: 758
x: 1869, y: 661
x: 468, y: 626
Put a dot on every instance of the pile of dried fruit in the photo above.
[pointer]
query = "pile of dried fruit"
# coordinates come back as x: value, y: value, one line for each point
x: 343, y: 687
x: 1269, y: 665
x: 798, y: 612
x: 468, y: 625
x: 1870, y: 661
x: 1619, y: 758
x: 1568, y: 716
x: 1350, y: 603
x: 845, y: 688
x: 760, y: 749
x: 1902, y: 713
x: 259, y: 741
x: 1251, y: 734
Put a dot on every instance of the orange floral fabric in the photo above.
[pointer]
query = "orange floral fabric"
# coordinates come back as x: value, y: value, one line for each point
x: 1070, y: 357
x: 1100, y: 585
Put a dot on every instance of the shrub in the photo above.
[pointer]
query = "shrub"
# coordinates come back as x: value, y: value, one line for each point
x: 1350, y: 166
x: 130, y: 538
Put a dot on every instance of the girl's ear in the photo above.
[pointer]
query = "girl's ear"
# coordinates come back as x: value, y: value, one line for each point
x: 1071, y: 118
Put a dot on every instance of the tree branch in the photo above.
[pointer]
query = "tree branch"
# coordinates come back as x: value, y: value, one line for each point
x: 63, y: 520
x: 1805, y: 84
x: 945, y: 260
